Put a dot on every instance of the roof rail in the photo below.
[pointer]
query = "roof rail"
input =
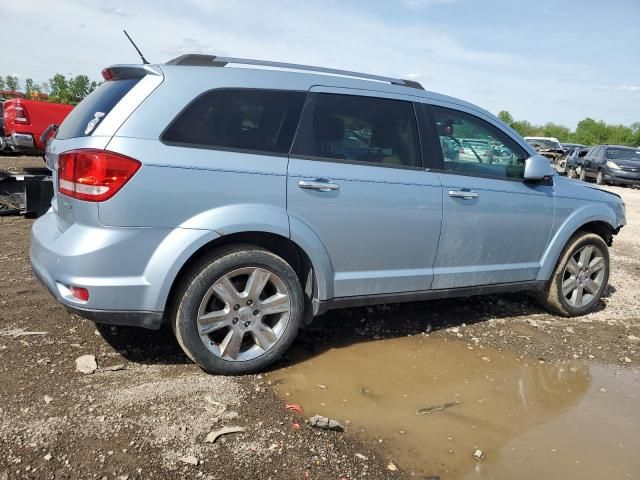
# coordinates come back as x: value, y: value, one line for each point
x: 215, y: 61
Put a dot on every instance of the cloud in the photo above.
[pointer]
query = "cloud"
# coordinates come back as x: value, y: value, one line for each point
x: 619, y: 88
x: 421, y: 4
x: 112, y: 10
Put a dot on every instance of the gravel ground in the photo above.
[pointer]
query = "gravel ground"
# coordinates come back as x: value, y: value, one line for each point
x: 146, y: 410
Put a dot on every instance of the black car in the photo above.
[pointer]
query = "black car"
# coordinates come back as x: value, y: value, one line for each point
x: 574, y: 160
x: 613, y: 164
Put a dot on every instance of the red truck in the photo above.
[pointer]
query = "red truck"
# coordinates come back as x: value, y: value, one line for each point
x: 23, y: 122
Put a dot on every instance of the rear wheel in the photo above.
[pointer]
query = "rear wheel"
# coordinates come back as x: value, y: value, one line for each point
x: 583, y: 175
x: 600, y: 178
x: 571, y: 173
x: 238, y: 311
x: 579, y: 278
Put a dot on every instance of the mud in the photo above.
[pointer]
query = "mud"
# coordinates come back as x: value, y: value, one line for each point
x: 431, y: 403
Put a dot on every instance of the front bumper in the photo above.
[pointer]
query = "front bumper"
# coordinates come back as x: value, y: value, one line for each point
x: 622, y: 176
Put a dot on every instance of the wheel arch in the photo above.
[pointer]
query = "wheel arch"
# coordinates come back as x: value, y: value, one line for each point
x: 603, y: 223
x: 311, y: 278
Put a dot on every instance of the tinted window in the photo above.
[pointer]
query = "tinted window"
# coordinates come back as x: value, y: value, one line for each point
x: 363, y: 129
x: 257, y: 120
x: 623, y: 154
x: 471, y: 145
x: 86, y: 116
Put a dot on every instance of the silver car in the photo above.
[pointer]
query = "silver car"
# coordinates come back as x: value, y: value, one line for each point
x: 237, y: 199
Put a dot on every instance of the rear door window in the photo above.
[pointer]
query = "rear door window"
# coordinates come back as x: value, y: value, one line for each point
x: 355, y: 128
x: 238, y: 119
x: 85, y: 117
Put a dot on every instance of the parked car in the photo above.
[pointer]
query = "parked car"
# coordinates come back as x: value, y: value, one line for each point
x: 475, y: 150
x: 551, y: 148
x: 574, y: 159
x: 212, y: 198
x: 613, y: 164
x: 24, y: 121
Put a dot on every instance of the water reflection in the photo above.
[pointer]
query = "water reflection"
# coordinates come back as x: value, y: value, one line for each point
x: 480, y: 398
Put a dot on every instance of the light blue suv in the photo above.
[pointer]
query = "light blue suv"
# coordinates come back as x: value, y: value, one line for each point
x: 238, y: 202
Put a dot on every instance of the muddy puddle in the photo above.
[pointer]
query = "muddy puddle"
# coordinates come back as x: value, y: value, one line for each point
x: 433, y: 402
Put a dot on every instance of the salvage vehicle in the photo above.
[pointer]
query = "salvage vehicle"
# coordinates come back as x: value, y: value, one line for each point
x: 551, y: 148
x: 573, y: 161
x: 24, y: 122
x: 614, y: 164
x: 228, y: 198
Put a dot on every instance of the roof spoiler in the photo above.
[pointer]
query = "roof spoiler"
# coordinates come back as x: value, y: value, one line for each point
x: 198, y: 60
x: 121, y: 72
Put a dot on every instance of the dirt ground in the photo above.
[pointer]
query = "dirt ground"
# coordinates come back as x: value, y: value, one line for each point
x: 146, y: 410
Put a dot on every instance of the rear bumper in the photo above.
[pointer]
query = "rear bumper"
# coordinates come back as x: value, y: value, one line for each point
x: 109, y: 263
x: 149, y: 320
x: 20, y: 142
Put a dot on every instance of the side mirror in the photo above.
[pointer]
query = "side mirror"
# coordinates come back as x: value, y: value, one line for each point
x: 537, y: 167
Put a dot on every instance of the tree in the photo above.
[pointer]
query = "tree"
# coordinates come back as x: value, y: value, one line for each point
x: 13, y: 83
x: 59, y: 89
x: 79, y: 87
x: 560, y: 132
x: 3, y: 84
x: 28, y: 87
x: 505, y: 117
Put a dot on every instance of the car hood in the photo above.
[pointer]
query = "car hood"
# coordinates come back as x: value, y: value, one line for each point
x: 627, y: 163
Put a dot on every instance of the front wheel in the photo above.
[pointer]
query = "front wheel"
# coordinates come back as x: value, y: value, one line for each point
x: 583, y: 174
x: 580, y: 277
x: 238, y: 311
x: 571, y: 173
x: 600, y: 178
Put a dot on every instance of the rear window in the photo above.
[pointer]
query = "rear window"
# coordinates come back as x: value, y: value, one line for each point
x: 238, y: 119
x: 85, y: 117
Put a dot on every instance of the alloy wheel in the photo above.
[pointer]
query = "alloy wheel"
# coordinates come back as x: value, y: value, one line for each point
x: 244, y: 314
x: 583, y: 276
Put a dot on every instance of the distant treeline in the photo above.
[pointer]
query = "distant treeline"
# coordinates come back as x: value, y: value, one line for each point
x: 59, y: 88
x: 587, y: 132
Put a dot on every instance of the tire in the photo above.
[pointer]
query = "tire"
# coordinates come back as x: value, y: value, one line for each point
x: 583, y: 175
x: 243, y: 338
x: 600, y: 178
x: 571, y: 172
x: 554, y: 299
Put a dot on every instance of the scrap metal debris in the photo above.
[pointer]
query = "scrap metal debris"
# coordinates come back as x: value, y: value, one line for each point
x: 214, y: 435
x: 436, y: 408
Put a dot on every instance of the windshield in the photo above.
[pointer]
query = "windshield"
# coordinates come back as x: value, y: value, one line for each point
x: 544, y: 143
x: 623, y: 154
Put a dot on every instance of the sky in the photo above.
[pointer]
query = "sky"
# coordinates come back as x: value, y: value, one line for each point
x: 548, y: 60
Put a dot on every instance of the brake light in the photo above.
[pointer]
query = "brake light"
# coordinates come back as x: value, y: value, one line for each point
x: 94, y: 175
x: 21, y: 115
x: 107, y: 74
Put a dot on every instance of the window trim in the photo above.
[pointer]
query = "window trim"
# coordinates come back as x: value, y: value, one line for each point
x: 249, y: 151
x: 431, y: 118
x: 305, y: 125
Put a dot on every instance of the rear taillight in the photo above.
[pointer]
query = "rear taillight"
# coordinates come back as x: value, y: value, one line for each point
x: 21, y: 115
x: 94, y: 175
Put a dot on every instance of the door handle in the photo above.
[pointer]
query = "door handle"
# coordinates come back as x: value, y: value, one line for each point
x: 466, y: 194
x: 319, y: 184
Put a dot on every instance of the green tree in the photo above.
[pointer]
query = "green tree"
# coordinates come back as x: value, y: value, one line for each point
x: 13, y: 83
x: 28, y: 87
x: 79, y: 87
x: 506, y: 117
x: 3, y: 84
x: 560, y: 132
x: 59, y: 89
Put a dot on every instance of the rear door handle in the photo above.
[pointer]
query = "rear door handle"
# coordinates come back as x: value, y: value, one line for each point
x: 466, y: 194
x: 319, y: 184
